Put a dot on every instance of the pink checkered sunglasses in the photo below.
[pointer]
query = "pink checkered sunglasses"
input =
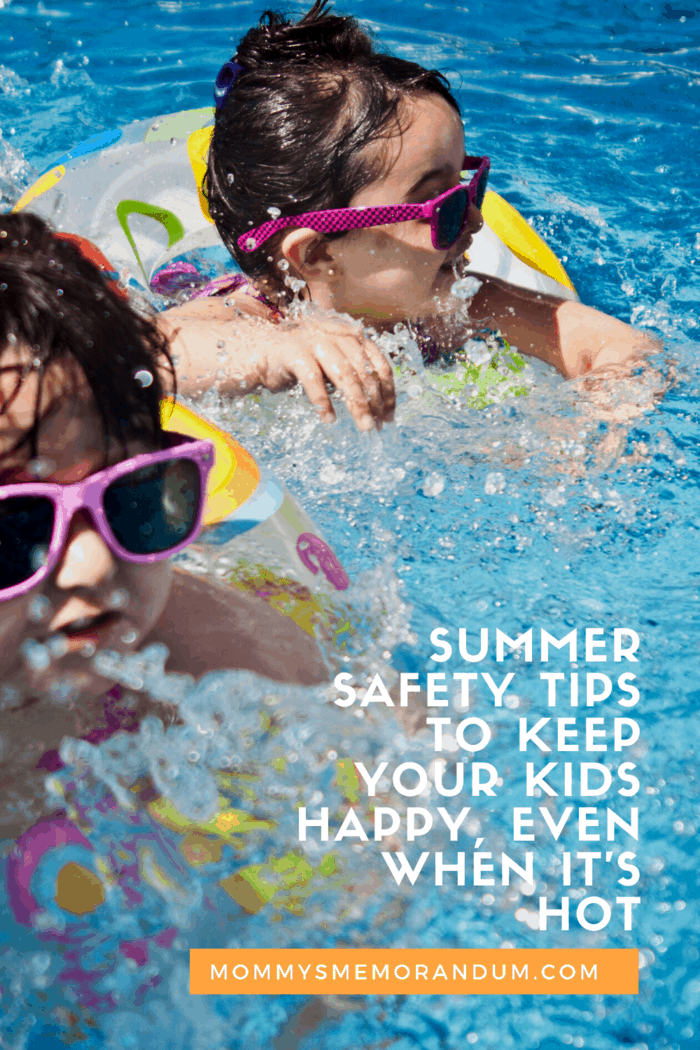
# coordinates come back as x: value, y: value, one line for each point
x: 144, y: 508
x: 448, y: 214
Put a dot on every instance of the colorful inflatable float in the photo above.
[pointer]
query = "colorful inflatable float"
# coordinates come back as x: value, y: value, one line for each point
x: 136, y: 193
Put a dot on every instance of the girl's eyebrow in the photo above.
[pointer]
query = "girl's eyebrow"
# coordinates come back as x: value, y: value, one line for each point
x: 434, y: 173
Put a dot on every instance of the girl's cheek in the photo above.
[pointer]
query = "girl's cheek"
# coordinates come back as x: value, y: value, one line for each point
x: 147, y: 590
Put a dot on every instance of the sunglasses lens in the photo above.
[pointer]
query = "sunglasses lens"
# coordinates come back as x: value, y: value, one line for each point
x: 451, y: 216
x: 154, y: 509
x: 26, y: 526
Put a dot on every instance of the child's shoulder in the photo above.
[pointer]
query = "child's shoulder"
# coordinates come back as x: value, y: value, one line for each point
x: 208, y: 627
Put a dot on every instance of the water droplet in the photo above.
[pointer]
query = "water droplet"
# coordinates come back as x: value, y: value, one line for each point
x: 118, y: 599
x: 37, y: 657
x: 143, y: 377
x: 57, y: 645
x: 3, y: 287
x: 39, y: 609
x: 41, y: 467
x: 433, y: 484
x: 229, y: 178
x: 220, y: 344
x: 274, y: 212
x: 250, y: 243
x: 38, y: 557
x: 129, y: 638
x: 173, y: 142
x: 154, y: 127
x: 3, y: 233
x: 283, y: 264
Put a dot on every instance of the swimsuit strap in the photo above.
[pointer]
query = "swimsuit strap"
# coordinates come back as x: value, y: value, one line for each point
x: 234, y: 282
x: 115, y: 717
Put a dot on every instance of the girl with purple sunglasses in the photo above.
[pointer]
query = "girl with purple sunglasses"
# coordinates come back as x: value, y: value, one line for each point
x: 338, y: 166
x: 94, y: 498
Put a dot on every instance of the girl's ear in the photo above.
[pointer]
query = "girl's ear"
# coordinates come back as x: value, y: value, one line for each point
x: 308, y: 253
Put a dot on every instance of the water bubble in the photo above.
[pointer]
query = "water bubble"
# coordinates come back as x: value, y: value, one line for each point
x: 495, y: 483
x: 3, y: 233
x: 59, y: 291
x: 37, y: 657
x: 173, y: 142
x: 295, y: 283
x: 433, y: 484
x: 250, y: 243
x: 118, y: 599
x: 229, y: 178
x: 143, y: 377
x: 129, y: 637
x: 220, y: 344
x: 283, y: 264
x: 3, y: 287
x: 57, y: 645
x: 41, y: 467
x: 193, y: 756
x: 154, y: 127
x: 274, y: 212
x: 465, y: 288
x: 38, y: 557
x: 39, y: 609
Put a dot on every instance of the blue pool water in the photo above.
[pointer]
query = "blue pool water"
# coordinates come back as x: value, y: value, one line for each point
x: 542, y: 512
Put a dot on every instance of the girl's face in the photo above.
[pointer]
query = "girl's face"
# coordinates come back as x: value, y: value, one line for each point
x: 393, y: 272
x: 92, y: 599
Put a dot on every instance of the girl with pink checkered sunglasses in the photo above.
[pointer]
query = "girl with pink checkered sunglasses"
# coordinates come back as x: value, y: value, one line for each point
x: 340, y: 173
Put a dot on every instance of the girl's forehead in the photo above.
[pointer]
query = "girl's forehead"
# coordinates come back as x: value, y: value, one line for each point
x: 431, y: 141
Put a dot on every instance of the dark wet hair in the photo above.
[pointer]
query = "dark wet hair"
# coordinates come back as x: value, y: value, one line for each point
x: 58, y: 305
x: 294, y: 129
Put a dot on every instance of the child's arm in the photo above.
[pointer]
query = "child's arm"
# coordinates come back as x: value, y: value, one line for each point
x: 239, y: 348
x: 576, y: 339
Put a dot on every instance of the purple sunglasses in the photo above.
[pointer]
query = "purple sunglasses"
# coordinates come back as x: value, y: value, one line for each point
x: 448, y: 214
x: 144, y: 508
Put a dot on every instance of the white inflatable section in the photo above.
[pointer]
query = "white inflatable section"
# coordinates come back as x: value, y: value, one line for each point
x: 489, y: 255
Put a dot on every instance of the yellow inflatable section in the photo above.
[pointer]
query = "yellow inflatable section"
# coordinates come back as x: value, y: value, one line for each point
x: 235, y: 474
x: 516, y: 234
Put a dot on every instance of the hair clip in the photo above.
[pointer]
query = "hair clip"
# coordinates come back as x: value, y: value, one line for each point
x: 225, y: 79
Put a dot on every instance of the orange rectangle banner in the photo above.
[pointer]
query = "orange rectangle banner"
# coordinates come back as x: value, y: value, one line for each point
x: 414, y: 971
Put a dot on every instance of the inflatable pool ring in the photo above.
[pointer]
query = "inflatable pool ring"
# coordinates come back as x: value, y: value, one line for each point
x: 286, y: 561
x: 136, y: 193
x: 99, y: 883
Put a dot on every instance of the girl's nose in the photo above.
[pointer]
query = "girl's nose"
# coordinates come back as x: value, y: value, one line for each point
x: 86, y: 560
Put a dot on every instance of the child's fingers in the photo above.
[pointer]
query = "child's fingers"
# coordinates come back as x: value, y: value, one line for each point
x: 309, y: 373
x: 355, y: 362
x: 385, y: 377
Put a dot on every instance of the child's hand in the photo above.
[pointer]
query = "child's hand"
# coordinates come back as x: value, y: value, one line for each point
x: 237, y: 351
x: 315, y: 353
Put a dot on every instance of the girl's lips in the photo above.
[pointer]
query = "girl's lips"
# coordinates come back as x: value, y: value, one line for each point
x: 93, y: 632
